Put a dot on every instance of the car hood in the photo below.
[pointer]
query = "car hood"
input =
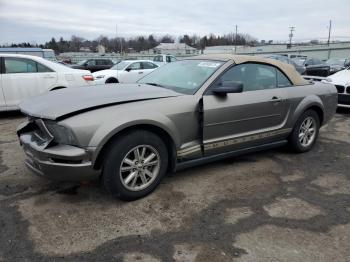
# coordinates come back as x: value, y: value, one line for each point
x: 62, y: 103
x: 341, y: 78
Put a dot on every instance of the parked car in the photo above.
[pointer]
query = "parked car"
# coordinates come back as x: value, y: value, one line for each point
x: 285, y: 59
x: 337, y: 64
x: 341, y: 80
x: 128, y: 71
x: 187, y: 113
x: 94, y: 65
x: 314, y: 67
x: 23, y: 76
x: 164, y: 59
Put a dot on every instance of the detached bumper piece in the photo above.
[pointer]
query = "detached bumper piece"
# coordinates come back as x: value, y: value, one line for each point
x: 57, y: 162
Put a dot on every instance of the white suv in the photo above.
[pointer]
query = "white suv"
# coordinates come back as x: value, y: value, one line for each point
x: 23, y: 76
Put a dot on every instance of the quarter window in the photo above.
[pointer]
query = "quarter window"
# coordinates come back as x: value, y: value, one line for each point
x: 282, y: 80
x: 148, y: 65
x: 43, y: 69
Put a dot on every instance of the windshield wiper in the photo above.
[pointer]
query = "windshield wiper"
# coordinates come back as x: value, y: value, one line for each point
x: 154, y: 84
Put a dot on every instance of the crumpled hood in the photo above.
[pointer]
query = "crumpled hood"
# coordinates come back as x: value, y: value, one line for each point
x: 63, y: 102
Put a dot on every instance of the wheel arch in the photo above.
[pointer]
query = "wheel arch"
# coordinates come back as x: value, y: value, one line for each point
x: 111, y: 78
x: 161, y: 132
x: 314, y: 103
x: 57, y: 88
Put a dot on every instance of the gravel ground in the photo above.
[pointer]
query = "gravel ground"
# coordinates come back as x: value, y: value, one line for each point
x: 269, y: 206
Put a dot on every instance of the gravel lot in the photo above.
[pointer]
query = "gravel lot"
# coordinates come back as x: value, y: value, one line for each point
x: 269, y: 206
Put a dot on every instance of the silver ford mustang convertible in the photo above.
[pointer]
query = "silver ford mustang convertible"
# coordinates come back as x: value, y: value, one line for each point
x: 183, y: 114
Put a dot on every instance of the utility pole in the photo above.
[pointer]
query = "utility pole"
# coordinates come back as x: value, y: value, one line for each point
x: 292, y: 29
x: 236, y: 40
x: 121, y: 39
x: 329, y: 32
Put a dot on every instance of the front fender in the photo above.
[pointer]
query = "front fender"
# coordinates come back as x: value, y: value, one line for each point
x: 109, y: 129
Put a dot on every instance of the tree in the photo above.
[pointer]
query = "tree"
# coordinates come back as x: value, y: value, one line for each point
x: 167, y: 39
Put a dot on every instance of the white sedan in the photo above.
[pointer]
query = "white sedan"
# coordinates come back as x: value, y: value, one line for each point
x: 23, y: 76
x: 341, y: 80
x: 127, y: 71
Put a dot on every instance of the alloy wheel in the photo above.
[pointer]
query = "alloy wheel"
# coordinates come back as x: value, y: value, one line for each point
x: 307, y: 132
x: 139, y: 167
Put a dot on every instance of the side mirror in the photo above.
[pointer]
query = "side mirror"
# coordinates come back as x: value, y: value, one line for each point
x: 306, y: 64
x: 228, y: 87
x: 128, y: 69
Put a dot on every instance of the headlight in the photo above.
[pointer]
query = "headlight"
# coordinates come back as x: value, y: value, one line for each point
x: 61, y: 134
x: 100, y: 76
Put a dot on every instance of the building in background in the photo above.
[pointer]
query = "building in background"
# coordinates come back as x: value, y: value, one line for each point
x: 173, y: 49
x: 321, y: 51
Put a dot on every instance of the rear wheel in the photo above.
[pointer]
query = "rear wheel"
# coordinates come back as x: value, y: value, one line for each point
x: 305, y: 132
x: 135, y: 165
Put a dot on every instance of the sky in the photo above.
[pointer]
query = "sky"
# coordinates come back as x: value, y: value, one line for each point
x: 37, y: 21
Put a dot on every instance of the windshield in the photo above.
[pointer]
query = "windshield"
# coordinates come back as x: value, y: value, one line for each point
x: 121, y: 65
x: 185, y: 76
x: 335, y: 61
x: 82, y: 62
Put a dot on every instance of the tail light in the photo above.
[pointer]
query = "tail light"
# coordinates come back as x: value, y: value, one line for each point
x: 88, y: 77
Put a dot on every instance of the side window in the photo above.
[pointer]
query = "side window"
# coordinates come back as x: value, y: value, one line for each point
x: 172, y: 59
x: 252, y: 76
x: 135, y: 66
x: 19, y: 65
x: 43, y: 69
x: 168, y: 59
x: 91, y: 62
x: 148, y: 65
x: 160, y: 58
x: 282, y: 80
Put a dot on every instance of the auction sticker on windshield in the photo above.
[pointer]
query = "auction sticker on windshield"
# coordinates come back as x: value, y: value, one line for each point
x: 209, y: 64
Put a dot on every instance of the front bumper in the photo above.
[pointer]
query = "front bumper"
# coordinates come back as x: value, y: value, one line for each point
x: 59, y: 162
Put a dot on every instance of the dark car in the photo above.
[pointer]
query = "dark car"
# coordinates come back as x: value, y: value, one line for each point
x: 300, y: 68
x: 94, y: 65
x: 314, y: 67
x: 337, y: 64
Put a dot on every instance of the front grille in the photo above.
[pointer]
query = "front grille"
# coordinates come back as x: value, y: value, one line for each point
x: 340, y: 88
x: 344, y: 99
x: 348, y: 90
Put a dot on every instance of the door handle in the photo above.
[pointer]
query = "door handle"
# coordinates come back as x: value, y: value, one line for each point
x: 140, y: 73
x: 276, y: 99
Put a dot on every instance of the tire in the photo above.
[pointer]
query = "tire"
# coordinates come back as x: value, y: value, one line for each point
x: 130, y: 184
x: 299, y: 140
x: 112, y: 80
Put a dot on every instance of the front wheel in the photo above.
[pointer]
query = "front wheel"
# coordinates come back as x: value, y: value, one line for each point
x: 305, y: 132
x: 135, y: 165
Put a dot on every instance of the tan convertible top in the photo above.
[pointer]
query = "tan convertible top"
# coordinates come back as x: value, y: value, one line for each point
x: 289, y: 70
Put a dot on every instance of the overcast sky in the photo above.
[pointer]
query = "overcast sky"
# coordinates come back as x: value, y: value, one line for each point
x: 39, y: 20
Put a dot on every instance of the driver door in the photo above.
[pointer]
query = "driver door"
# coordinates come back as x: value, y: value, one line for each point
x: 133, y: 73
x: 238, y: 120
